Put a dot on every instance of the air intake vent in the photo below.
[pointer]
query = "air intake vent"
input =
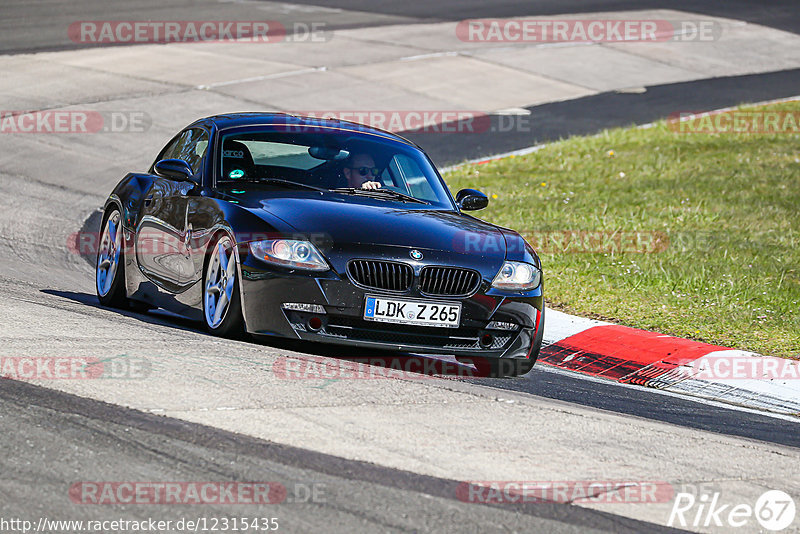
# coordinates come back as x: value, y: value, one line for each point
x: 448, y: 281
x: 387, y: 275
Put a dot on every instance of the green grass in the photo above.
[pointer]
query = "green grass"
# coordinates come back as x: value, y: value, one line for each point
x: 728, y: 271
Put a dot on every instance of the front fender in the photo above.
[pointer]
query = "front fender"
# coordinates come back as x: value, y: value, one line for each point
x: 517, y: 249
x: 128, y: 196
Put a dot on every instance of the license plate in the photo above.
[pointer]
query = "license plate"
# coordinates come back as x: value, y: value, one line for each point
x: 424, y: 313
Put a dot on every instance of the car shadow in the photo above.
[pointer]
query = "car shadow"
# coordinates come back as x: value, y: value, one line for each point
x: 381, y: 362
x: 156, y: 317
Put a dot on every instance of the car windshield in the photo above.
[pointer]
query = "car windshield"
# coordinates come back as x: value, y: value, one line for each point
x: 349, y: 162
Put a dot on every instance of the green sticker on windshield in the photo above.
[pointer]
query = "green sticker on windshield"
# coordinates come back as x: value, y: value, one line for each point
x: 235, y: 174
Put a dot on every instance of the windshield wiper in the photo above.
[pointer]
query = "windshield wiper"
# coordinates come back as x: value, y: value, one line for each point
x: 378, y: 193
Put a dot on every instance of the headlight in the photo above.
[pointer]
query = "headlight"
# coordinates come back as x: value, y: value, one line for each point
x: 289, y: 253
x: 517, y: 276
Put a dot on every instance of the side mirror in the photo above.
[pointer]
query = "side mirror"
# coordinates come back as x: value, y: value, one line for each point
x: 175, y: 169
x: 471, y: 199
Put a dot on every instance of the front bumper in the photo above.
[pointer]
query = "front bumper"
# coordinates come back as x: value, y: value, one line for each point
x: 264, y: 290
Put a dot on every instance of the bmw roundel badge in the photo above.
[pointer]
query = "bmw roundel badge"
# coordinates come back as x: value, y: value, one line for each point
x: 416, y: 254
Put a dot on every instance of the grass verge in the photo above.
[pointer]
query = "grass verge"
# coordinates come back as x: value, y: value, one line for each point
x: 695, y: 235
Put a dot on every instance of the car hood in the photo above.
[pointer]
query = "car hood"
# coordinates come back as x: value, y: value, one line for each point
x: 346, y: 220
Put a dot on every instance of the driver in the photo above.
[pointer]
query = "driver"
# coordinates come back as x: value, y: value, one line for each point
x: 360, y: 172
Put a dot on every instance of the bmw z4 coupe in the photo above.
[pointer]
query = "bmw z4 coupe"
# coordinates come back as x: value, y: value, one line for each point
x: 321, y: 230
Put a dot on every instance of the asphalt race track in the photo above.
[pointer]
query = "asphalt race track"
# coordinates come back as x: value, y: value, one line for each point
x: 384, y: 455
x: 358, y: 495
x: 24, y: 29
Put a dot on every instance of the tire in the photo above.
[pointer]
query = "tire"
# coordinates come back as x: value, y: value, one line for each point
x: 110, y: 263
x: 221, y: 285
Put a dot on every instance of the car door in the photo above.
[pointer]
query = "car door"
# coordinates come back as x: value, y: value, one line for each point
x: 162, y: 237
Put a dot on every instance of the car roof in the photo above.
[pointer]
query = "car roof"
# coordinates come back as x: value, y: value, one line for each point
x: 234, y: 120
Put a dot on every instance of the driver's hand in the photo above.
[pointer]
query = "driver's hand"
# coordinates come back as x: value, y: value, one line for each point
x: 371, y: 185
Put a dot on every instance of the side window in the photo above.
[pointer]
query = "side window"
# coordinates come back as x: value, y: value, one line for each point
x: 190, y: 146
x: 387, y: 177
x: 412, y: 178
x: 170, y: 150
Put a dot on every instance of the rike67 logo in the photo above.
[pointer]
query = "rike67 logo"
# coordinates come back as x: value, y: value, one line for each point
x: 773, y: 511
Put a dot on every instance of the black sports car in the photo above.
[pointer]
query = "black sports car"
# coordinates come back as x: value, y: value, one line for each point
x: 325, y: 230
